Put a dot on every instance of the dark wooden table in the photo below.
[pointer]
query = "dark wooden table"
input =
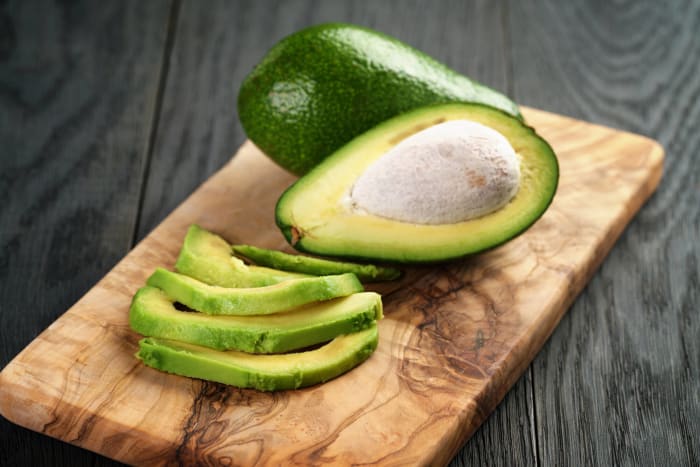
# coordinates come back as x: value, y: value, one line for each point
x: 111, y: 113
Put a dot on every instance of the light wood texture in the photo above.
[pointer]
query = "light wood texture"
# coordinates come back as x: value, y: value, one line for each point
x: 454, y: 339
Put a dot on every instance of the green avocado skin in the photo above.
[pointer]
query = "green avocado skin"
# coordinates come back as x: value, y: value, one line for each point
x: 315, y: 266
x: 317, y: 89
x: 152, y: 313
x: 287, y: 371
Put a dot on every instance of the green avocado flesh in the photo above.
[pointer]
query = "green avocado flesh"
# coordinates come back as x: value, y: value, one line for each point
x: 317, y: 89
x: 314, y: 219
x: 265, y: 300
x: 316, y: 266
x: 207, y: 257
x: 263, y: 372
x: 153, y: 314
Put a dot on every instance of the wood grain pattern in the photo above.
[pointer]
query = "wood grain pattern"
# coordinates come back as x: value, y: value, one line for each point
x: 454, y: 339
x: 77, y: 81
x: 619, y: 383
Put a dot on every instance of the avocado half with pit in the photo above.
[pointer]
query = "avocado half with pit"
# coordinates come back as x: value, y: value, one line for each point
x: 434, y: 184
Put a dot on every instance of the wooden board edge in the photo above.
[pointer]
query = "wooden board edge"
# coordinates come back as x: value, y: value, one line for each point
x: 121, y: 437
x: 645, y: 191
x: 8, y: 395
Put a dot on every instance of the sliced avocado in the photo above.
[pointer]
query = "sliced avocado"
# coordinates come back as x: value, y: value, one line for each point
x: 316, y: 266
x: 322, y: 86
x: 263, y: 372
x: 207, y: 257
x: 215, y: 300
x: 153, y: 314
x: 315, y: 216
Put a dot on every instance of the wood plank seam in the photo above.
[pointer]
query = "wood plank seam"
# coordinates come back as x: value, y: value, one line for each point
x: 171, y: 31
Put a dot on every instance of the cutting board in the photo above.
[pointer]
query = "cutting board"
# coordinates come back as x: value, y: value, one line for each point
x: 454, y: 339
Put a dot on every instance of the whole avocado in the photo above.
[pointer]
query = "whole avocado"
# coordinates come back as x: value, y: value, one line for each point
x: 317, y: 89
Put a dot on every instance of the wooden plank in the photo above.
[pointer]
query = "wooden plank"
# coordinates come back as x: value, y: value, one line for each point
x: 78, y: 82
x: 619, y: 382
x: 453, y: 340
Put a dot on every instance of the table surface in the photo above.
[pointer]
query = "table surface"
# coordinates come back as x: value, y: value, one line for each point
x: 111, y: 113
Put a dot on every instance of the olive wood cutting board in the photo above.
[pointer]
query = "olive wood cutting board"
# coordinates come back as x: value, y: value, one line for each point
x: 454, y: 339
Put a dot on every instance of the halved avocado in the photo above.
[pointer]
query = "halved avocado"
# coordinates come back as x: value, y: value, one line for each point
x: 153, y: 314
x: 265, y: 300
x: 316, y: 266
x: 207, y: 257
x: 263, y: 372
x: 314, y: 218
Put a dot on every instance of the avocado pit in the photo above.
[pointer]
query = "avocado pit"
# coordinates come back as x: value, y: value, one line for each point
x: 448, y: 173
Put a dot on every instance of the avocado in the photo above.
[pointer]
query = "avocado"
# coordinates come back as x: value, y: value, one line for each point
x: 322, y: 86
x: 263, y: 372
x: 154, y: 314
x: 207, y: 257
x: 265, y: 300
x: 316, y: 266
x: 319, y: 213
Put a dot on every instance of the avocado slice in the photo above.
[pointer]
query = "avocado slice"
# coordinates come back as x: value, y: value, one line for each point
x: 322, y: 86
x: 263, y: 372
x: 265, y: 300
x: 315, y: 217
x: 207, y: 257
x: 316, y: 266
x: 153, y: 314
